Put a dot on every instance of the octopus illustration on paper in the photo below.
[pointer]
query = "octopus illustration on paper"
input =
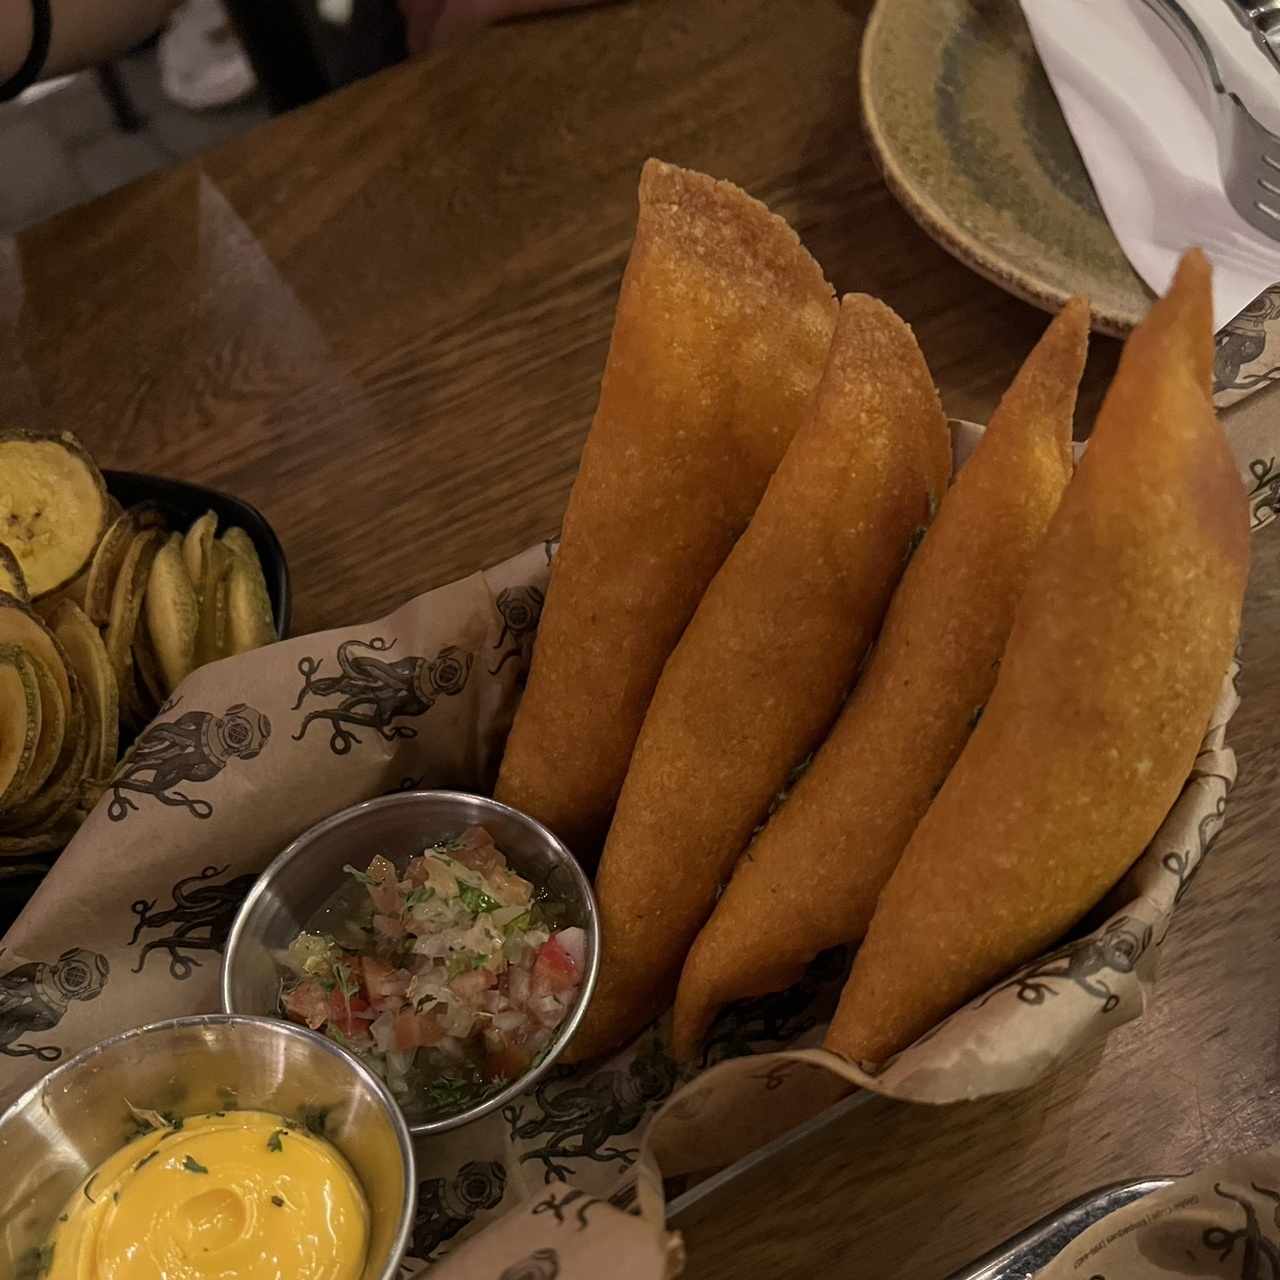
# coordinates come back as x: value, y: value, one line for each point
x: 447, y: 1205
x: 1259, y: 1255
x: 1264, y: 497
x: 199, y: 920
x: 194, y: 748
x: 541, y: 1264
x: 1242, y: 342
x: 1184, y: 863
x: 777, y: 1074
x: 776, y: 1019
x: 1117, y: 949
x: 573, y: 1117
x: 520, y: 609
x: 35, y: 996
x: 559, y: 1203
x: 374, y: 693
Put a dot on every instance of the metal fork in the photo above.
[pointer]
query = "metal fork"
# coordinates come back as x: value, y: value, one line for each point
x: 1262, y: 21
x: 1248, y: 152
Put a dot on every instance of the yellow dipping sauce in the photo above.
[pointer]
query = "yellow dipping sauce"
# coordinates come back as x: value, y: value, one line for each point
x: 236, y: 1195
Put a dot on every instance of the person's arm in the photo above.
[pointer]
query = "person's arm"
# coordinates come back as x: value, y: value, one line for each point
x: 85, y: 32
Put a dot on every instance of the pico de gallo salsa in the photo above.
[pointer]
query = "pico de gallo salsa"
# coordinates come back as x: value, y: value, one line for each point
x: 449, y: 979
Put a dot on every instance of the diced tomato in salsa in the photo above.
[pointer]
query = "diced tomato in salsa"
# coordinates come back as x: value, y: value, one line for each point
x: 475, y: 849
x: 309, y: 1003
x: 414, y: 1030
x: 554, y: 970
x: 381, y: 980
x: 456, y: 959
x: 349, y: 1015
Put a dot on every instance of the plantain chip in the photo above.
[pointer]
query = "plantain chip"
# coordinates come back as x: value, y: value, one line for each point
x: 126, y: 601
x: 173, y: 613
x: 87, y: 657
x: 104, y: 569
x: 235, y: 539
x: 17, y: 870
x: 53, y: 506
x: 20, y: 626
x: 19, y: 721
x: 53, y: 732
x: 250, y: 623
x: 148, y: 515
x: 55, y: 803
x: 211, y: 634
x: 12, y: 578
x: 195, y: 546
x: 45, y: 842
x: 147, y: 674
x: 75, y: 591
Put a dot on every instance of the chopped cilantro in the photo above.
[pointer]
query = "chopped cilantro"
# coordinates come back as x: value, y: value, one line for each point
x: 362, y: 876
x: 346, y: 983
x: 314, y: 1120
x: 278, y: 1201
x: 35, y: 1262
x: 192, y: 1165
x: 522, y: 923
x: 463, y: 962
x: 449, y: 1094
x: 274, y: 1143
x: 144, y: 1120
x: 476, y: 900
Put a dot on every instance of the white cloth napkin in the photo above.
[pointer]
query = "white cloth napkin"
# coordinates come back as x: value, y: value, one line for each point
x: 1139, y: 110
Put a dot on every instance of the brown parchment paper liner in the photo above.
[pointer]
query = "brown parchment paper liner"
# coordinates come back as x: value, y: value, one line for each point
x: 129, y: 924
x: 1246, y: 367
x: 1223, y: 1221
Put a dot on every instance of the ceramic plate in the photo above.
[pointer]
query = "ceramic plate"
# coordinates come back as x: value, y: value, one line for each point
x: 965, y: 126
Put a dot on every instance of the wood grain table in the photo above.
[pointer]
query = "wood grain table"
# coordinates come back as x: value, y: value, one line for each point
x: 382, y: 319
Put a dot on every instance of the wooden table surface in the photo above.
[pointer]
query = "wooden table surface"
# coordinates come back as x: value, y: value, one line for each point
x: 383, y: 319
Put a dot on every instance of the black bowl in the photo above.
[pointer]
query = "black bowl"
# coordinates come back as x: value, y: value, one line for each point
x: 185, y: 503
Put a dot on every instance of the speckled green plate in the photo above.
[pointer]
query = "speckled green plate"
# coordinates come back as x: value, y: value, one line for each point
x: 971, y: 140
